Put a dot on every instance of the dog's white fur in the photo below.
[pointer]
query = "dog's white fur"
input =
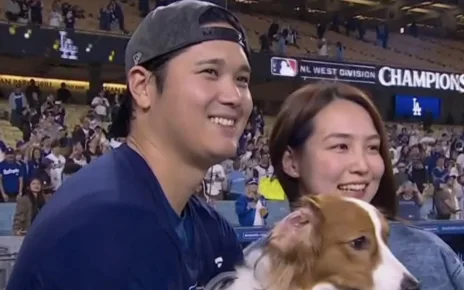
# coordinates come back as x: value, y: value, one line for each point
x: 386, y: 276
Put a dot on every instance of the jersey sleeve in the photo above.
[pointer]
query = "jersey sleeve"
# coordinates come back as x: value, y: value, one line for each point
x: 111, y: 248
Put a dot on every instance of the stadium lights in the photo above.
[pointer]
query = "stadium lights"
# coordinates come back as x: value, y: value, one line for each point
x: 12, y: 30
x: 89, y: 47
x: 56, y: 45
x: 111, y: 57
x: 28, y: 34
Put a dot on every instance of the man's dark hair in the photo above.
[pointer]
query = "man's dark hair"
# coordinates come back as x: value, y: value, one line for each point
x: 158, y: 67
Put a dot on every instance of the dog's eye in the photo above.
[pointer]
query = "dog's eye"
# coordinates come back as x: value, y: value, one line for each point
x: 360, y: 243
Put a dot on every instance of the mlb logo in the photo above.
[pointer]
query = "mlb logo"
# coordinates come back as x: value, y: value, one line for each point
x: 285, y: 67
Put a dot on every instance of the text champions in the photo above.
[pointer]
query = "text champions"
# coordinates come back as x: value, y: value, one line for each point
x: 391, y: 77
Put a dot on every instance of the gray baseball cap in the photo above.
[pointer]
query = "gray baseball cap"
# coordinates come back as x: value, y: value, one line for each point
x: 174, y: 27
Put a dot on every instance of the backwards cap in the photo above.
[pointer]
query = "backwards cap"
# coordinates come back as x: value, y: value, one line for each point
x: 176, y: 26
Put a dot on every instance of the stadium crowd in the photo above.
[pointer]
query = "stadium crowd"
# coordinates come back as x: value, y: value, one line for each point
x: 428, y: 162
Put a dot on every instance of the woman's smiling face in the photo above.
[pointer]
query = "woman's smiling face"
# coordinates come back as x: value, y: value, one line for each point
x: 342, y: 156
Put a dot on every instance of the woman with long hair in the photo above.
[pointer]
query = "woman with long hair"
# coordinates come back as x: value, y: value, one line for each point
x: 330, y: 139
x: 33, y: 165
x: 28, y: 206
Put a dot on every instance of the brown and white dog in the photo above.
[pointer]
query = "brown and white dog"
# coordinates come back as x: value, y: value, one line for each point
x: 327, y: 243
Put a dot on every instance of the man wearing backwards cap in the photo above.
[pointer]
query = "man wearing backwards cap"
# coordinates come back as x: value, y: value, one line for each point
x: 128, y: 220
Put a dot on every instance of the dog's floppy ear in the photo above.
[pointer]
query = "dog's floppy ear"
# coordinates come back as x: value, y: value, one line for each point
x: 298, y: 229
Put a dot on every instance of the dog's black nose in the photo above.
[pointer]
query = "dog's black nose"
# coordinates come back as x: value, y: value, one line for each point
x: 409, y: 283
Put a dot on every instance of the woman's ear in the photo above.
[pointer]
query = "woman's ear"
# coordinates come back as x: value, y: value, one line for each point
x: 290, y: 163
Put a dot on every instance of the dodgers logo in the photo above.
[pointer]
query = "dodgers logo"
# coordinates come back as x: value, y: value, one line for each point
x: 67, y: 47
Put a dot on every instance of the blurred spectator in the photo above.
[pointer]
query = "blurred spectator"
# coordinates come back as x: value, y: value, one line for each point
x: 69, y: 19
x: 28, y: 206
x: 144, y: 7
x: 215, y: 181
x: 63, y: 94
x: 11, y: 177
x: 410, y: 201
x: 339, y: 51
x: 13, y: 10
x: 117, y: 15
x: 402, y: 175
x: 17, y: 103
x: 33, y: 165
x: 323, y: 47
x: 264, y: 167
x: 320, y: 30
x: 445, y: 199
x: 58, y: 160
x: 440, y: 173
x: 77, y: 155
x: 56, y: 16
x: 30, y: 90
x: 83, y: 133
x: 251, y: 208
x: 44, y: 173
x: 273, y: 30
x: 101, y: 106
x: 235, y: 181
x: 46, y: 145
x: 105, y: 19
x: 265, y: 43
x: 36, y: 12
x: 382, y: 35
x: 23, y: 11
x: 282, y: 42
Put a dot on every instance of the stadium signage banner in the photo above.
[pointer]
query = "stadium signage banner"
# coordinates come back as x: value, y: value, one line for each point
x: 346, y: 72
x: 398, y: 77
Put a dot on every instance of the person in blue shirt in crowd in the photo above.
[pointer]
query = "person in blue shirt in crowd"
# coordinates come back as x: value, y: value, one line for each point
x: 410, y: 201
x: 236, y: 181
x: 439, y: 173
x: 349, y: 156
x: 251, y: 207
x: 11, y: 177
x: 19, y: 157
x: 129, y: 219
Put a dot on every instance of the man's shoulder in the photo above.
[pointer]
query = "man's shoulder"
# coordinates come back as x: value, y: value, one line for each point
x: 104, y: 246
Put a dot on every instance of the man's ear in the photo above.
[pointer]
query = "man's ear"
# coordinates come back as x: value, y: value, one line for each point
x: 298, y: 231
x: 138, y: 80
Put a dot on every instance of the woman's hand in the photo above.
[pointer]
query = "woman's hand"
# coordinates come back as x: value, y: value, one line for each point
x: 21, y: 233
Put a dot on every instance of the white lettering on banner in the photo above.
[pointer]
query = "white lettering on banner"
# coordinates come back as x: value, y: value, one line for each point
x: 67, y: 47
x: 420, y: 79
x: 345, y: 72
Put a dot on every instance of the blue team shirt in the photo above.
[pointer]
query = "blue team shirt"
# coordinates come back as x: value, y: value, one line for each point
x: 11, y: 174
x: 110, y: 227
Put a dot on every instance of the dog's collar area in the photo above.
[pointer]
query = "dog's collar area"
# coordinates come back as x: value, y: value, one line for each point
x: 221, y: 281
